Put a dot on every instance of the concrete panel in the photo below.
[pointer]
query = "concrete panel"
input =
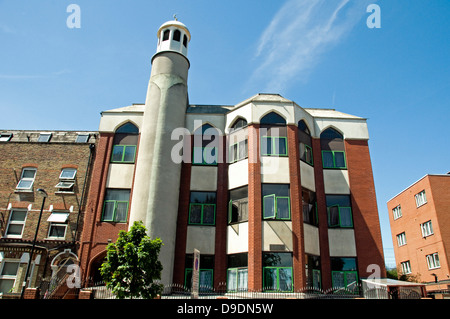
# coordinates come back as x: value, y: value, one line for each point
x: 276, y: 232
x: 312, y: 241
x: 341, y: 242
x: 204, y: 178
x: 120, y: 176
x: 202, y: 238
x: 307, y: 176
x: 195, y: 120
x: 274, y: 169
x: 238, y: 174
x: 336, y: 181
x: 237, y: 238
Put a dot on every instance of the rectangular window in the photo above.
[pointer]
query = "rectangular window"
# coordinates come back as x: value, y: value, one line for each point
x: 44, y: 137
x: 206, y: 275
x: 277, y: 272
x: 123, y: 154
x: 339, y: 211
x: 66, y: 180
x: 274, y: 146
x: 421, y: 198
x: 58, y: 225
x: 433, y: 261
x: 401, y: 239
x: 8, y: 273
x: 16, y: 223
x: 306, y: 153
x: 276, y: 201
x: 5, y: 137
x: 202, y: 208
x: 204, y: 155
x: 26, y: 179
x: 334, y: 159
x: 406, y: 267
x: 238, y: 205
x: 82, y: 138
x: 237, y: 272
x: 344, y: 273
x: 238, y: 151
x: 309, y: 207
x: 427, y: 229
x: 115, y: 206
x: 397, y: 212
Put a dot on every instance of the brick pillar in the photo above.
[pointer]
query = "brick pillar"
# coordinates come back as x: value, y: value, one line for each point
x: 322, y: 214
x: 220, y: 257
x: 254, y: 210
x: 296, y: 208
x: 85, y: 294
x: 31, y: 293
x: 366, y: 221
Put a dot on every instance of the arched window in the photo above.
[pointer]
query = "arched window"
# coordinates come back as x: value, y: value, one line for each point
x: 239, y: 123
x: 166, y: 35
x: 177, y: 35
x: 238, y: 141
x: 206, y: 145
x: 273, y: 134
x: 185, y: 41
x: 305, y: 143
x: 125, y: 143
x: 333, y: 149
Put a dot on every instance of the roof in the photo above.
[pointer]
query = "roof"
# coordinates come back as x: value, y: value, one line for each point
x: 174, y: 23
x: 331, y: 113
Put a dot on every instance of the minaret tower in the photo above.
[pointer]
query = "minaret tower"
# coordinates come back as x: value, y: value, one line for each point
x: 157, y: 176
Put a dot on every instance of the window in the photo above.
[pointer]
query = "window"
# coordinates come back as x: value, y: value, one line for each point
x: 313, y: 275
x: 5, y: 137
x: 276, y: 201
x: 427, y: 229
x: 309, y: 207
x: 125, y: 144
x: 206, y: 275
x: 339, y: 211
x: 16, y: 223
x: 27, y: 178
x: 421, y: 198
x: 202, y: 208
x: 206, y: 146
x: 304, y: 137
x: 166, y: 35
x: 82, y: 138
x: 238, y: 151
x: 401, y: 239
x: 397, y: 212
x: 177, y: 35
x: 44, y: 137
x: 344, y: 273
x: 238, y: 124
x: 433, y: 261
x: 274, y: 146
x: 237, y: 272
x: 8, y: 273
x: 333, y: 149
x: 277, y: 272
x: 238, y: 205
x: 273, y: 134
x: 66, y: 180
x: 115, y: 206
x: 185, y: 40
x: 58, y: 225
x: 406, y: 267
x: 238, y: 141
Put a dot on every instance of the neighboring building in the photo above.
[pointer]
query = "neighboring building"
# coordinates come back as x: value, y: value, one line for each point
x: 59, y: 163
x: 273, y: 195
x: 420, y: 226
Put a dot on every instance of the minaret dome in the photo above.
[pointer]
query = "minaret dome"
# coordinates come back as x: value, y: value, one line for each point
x: 173, y: 36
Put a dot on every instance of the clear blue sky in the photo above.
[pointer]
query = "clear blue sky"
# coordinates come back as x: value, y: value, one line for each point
x: 316, y: 53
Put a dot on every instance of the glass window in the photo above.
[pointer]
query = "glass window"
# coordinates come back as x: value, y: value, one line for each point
x: 333, y: 159
x: 276, y: 201
x: 57, y: 230
x: 115, y: 206
x: 427, y: 229
x: 309, y: 203
x: 421, y: 198
x: 16, y: 223
x: 433, y: 261
x: 68, y: 173
x: 206, y: 145
x: 166, y: 35
x: 8, y: 273
x: 27, y: 178
x: 177, y: 35
x: 406, y: 267
x: 238, y: 205
x: 344, y: 272
x: 277, y: 271
x: 333, y: 149
x: 82, y: 138
x: 206, y: 275
x: 238, y: 124
x: 305, y: 147
x: 401, y: 239
x: 5, y: 137
x: 44, y: 137
x: 202, y: 208
x: 237, y: 272
x: 397, y: 212
x: 339, y: 211
x: 185, y: 40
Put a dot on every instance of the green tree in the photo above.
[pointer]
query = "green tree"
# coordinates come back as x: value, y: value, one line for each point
x: 131, y: 265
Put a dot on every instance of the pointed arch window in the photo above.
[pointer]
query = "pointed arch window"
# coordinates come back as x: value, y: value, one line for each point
x: 177, y: 35
x: 125, y: 144
x: 166, y: 35
x: 273, y: 134
x: 305, y: 143
x: 206, y: 146
x: 238, y: 141
x: 333, y: 149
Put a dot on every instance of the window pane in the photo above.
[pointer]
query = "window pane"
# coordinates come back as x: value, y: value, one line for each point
x: 68, y: 173
x: 108, y: 210
x: 266, y: 145
x: 121, y: 211
x: 206, y: 278
x: 270, y: 278
x: 10, y: 268
x: 25, y: 184
x: 285, y: 279
x: 338, y: 279
x: 117, y: 153
x: 243, y: 149
x: 6, y: 285
x: 57, y: 231
x: 352, y: 279
x: 327, y: 158
x: 18, y: 215
x: 283, y: 209
x: 28, y: 173
x: 209, y: 155
x: 280, y: 146
x: 15, y: 229
x: 232, y: 154
x: 208, y: 214
x: 203, y: 197
x: 130, y: 151
x: 117, y: 194
x: 195, y: 214
x: 346, y: 216
x: 232, y: 279
x: 197, y: 156
x: 242, y: 279
x: 339, y: 158
x: 333, y: 216
x: 269, y: 206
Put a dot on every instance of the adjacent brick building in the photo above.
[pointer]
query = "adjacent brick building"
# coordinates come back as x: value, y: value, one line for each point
x: 275, y: 196
x: 420, y: 221
x: 59, y: 162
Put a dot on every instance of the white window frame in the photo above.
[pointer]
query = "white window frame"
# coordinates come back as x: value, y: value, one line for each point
x: 52, y: 224
x: 433, y: 261
x: 421, y: 198
x: 427, y: 229
x: 82, y: 138
x: 14, y: 222
x: 397, y: 212
x: 9, y: 277
x: 22, y: 178
x: 66, y: 183
x: 5, y: 137
x: 401, y: 239
x: 406, y: 267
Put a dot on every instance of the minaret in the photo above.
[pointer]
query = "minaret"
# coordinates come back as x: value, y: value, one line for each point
x: 157, y: 176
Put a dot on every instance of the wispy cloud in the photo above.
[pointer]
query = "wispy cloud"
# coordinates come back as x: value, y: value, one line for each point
x: 33, y: 76
x: 298, y: 35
